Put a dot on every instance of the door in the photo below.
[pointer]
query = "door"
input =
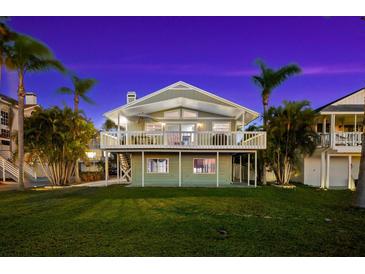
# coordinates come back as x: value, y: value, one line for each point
x: 172, y: 134
x: 188, y: 134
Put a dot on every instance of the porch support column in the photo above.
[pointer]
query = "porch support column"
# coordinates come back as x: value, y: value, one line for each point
x: 355, y: 125
x: 333, y: 129
x: 179, y: 168
x: 350, y: 173
x: 324, y: 124
x: 240, y: 168
x: 248, y: 168
x: 243, y: 120
x: 328, y: 172
x: 217, y: 167
x: 323, y: 170
x: 118, y: 167
x: 118, y: 135
x: 142, y: 168
x: 256, y: 168
x: 106, y: 167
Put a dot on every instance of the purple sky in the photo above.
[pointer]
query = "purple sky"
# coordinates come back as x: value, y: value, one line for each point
x: 214, y: 53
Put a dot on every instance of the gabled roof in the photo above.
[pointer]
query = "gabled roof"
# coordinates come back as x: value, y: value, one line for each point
x: 336, y: 106
x: 181, y: 94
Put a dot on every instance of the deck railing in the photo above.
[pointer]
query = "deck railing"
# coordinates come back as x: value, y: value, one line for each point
x: 340, y: 139
x: 183, y: 139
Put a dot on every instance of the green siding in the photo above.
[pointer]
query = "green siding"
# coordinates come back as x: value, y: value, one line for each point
x: 188, y: 177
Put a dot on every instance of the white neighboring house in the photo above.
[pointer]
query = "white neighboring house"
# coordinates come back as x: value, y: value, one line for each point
x: 9, y: 127
x: 335, y: 163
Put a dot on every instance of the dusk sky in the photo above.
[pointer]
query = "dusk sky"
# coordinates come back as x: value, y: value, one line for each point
x: 217, y: 54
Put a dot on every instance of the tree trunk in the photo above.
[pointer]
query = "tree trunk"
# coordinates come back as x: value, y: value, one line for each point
x: 76, y: 109
x: 21, y: 95
x: 265, y: 102
x: 360, y: 188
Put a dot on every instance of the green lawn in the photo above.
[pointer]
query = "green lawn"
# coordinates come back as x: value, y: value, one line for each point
x: 117, y: 221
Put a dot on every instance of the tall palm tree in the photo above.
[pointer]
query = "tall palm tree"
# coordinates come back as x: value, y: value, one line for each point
x: 25, y: 54
x: 5, y: 36
x: 80, y: 89
x: 267, y: 81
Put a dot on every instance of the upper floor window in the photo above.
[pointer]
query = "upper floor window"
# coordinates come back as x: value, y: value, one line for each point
x: 4, y: 119
x: 172, y: 114
x: 153, y: 127
x: 222, y: 126
x: 189, y: 114
x: 5, y: 133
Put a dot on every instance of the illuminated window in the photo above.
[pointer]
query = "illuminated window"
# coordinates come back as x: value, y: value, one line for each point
x: 153, y: 127
x: 222, y: 127
x: 4, y: 119
x: 189, y: 114
x: 172, y: 114
x: 157, y: 165
x: 204, y: 166
x: 91, y: 154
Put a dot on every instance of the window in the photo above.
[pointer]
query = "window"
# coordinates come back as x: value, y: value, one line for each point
x: 4, y: 118
x: 189, y: 114
x: 5, y: 133
x: 222, y: 127
x: 5, y: 142
x: 172, y: 114
x: 204, y: 166
x: 157, y: 165
x: 91, y: 154
x: 153, y: 127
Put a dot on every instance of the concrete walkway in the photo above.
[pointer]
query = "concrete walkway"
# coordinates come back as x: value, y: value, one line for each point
x: 102, y: 183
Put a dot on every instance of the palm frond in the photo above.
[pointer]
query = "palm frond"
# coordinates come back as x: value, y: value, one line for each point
x: 87, y: 99
x: 65, y: 90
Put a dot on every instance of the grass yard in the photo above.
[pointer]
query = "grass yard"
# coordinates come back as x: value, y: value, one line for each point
x: 117, y: 221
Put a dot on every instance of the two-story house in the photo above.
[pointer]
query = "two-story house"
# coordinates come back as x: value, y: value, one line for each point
x: 335, y: 163
x: 182, y: 135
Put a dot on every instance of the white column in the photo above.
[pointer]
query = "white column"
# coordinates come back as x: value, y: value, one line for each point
x: 179, y: 168
x: 118, y: 134
x: 324, y: 124
x: 255, y: 168
x: 106, y: 167
x: 248, y: 168
x: 241, y: 168
x: 243, y: 121
x: 323, y: 170
x: 333, y: 129
x: 349, y: 172
x: 328, y: 172
x: 217, y: 167
x: 142, y: 168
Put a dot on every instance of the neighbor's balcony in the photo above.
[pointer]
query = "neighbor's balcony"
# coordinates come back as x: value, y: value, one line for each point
x: 343, y: 141
x: 183, y: 140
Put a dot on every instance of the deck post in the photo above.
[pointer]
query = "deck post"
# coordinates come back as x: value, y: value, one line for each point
x: 142, y: 169
x: 240, y: 168
x: 328, y: 172
x: 333, y: 130
x: 350, y: 173
x: 355, y: 124
x: 106, y: 167
x: 248, y: 168
x: 256, y: 168
x: 179, y: 168
x: 118, y: 167
x: 217, y: 167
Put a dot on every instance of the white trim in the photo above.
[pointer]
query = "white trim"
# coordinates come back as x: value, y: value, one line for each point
x: 142, y: 168
x: 349, y: 172
x: 255, y: 168
x: 158, y: 158
x: 209, y: 158
x: 179, y: 168
x: 254, y: 113
x: 217, y: 167
x: 248, y: 168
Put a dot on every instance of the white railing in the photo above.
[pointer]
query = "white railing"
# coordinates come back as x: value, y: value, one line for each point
x: 337, y: 139
x: 181, y: 139
x: 13, y: 170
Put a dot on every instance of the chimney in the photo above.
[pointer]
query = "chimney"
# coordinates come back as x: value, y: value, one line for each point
x: 30, y: 98
x: 131, y: 96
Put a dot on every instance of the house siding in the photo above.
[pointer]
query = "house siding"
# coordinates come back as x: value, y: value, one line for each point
x: 189, y: 179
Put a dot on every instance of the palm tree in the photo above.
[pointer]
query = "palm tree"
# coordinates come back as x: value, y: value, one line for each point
x: 267, y: 81
x: 5, y: 36
x: 25, y: 54
x: 80, y: 88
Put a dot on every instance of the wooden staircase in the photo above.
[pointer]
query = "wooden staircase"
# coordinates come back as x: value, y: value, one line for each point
x: 125, y: 167
x: 9, y: 169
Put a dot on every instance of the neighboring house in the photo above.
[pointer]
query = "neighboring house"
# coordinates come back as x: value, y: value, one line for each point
x: 9, y: 128
x: 335, y: 163
x: 182, y: 135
